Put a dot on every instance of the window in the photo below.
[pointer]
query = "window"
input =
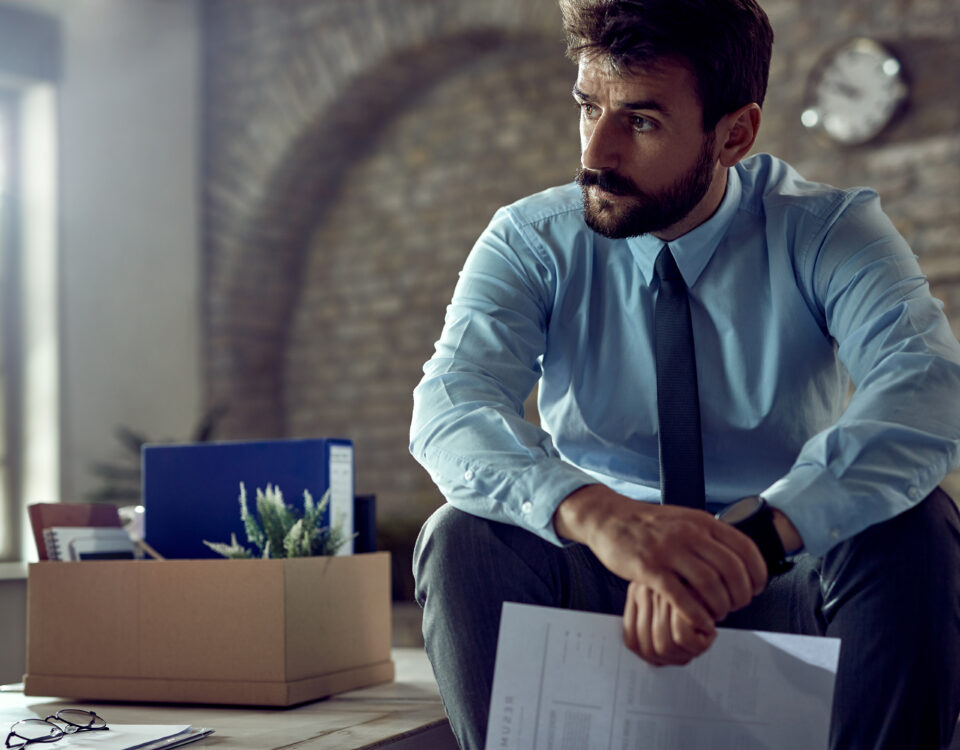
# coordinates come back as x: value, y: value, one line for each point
x: 9, y: 355
x: 29, y: 347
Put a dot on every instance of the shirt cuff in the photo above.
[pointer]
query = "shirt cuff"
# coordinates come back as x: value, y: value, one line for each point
x: 812, y: 498
x: 545, y: 487
x: 529, y: 497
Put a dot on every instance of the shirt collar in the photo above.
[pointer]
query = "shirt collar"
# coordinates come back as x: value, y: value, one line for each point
x: 693, y: 250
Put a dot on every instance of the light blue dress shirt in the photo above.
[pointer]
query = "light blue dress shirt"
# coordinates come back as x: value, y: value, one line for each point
x: 795, y: 288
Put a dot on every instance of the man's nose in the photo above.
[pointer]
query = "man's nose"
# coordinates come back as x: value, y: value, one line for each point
x: 599, y: 145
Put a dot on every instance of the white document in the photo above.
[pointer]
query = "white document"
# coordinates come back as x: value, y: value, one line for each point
x: 131, y: 737
x: 564, y: 680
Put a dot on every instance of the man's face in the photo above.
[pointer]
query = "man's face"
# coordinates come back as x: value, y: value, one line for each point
x: 647, y: 165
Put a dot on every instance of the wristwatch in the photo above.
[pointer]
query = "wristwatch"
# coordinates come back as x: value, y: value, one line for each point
x: 754, y: 517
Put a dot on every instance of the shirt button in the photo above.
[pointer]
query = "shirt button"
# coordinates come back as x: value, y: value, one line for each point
x: 468, y: 475
x: 527, y: 507
x: 835, y: 533
x: 914, y: 493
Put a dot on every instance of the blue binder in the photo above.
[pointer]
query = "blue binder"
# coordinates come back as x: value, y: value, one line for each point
x: 190, y: 492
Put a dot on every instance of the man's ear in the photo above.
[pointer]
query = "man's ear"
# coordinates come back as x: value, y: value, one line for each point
x: 736, y: 133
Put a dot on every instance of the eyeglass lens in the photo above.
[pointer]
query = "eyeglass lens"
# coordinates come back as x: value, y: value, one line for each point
x: 52, y: 728
x: 33, y: 730
x: 76, y: 719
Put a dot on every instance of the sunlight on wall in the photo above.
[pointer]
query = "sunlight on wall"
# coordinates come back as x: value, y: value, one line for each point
x: 41, y: 396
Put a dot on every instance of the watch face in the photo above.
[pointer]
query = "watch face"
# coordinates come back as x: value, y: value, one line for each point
x: 854, y: 92
x: 740, y: 510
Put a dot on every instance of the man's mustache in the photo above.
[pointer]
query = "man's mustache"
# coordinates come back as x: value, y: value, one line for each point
x: 607, y: 180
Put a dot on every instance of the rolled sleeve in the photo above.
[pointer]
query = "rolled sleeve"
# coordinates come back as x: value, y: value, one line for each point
x: 900, y: 433
x: 527, y: 498
x: 468, y: 428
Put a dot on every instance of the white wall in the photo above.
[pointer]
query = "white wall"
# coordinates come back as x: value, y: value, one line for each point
x: 13, y: 630
x: 129, y: 151
x: 129, y: 204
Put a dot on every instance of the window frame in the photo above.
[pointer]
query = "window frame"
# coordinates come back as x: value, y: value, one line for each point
x: 11, y: 326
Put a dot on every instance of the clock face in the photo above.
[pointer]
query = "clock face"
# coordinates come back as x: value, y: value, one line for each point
x: 854, y: 92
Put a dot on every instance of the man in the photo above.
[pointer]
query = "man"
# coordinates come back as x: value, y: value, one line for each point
x: 791, y: 290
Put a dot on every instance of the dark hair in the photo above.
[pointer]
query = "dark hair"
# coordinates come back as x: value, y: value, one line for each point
x: 725, y: 43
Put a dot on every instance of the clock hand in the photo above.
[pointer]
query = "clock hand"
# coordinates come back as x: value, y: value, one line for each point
x: 846, y: 89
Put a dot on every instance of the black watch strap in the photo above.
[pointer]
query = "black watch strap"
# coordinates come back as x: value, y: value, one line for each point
x: 757, y: 523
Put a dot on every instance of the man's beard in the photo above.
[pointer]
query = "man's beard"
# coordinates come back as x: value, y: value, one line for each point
x: 642, y: 212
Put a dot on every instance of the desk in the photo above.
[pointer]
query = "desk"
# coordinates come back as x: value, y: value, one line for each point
x: 403, y: 715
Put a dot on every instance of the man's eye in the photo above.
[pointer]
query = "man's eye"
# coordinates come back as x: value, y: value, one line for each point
x: 642, y: 124
x: 590, y: 111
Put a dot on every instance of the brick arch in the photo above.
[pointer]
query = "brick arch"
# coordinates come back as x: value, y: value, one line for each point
x: 260, y: 226
x: 382, y: 266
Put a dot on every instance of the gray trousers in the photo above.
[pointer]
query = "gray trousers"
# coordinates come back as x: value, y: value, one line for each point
x: 890, y: 593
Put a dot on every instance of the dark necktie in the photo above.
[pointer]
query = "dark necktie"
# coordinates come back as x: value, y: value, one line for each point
x: 678, y: 403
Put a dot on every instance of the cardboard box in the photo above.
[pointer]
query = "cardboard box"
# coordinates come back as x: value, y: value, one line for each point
x: 251, y: 632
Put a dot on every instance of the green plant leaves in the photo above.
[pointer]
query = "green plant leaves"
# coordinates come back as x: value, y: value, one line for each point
x: 280, y: 531
x: 232, y: 550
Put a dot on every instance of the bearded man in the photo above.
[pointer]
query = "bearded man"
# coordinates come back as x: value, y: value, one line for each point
x: 694, y: 317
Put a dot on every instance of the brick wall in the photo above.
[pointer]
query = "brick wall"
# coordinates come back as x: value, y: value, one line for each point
x: 382, y: 266
x: 353, y: 152
x: 295, y: 94
x: 915, y: 164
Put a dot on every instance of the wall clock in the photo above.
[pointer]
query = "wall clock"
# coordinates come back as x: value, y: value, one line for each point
x: 854, y: 92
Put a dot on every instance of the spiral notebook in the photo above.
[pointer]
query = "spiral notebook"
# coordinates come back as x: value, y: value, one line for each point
x: 87, y: 543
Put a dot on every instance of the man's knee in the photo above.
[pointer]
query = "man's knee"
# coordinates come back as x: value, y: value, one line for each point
x: 925, y: 536
x: 443, y: 545
x: 909, y: 564
x: 444, y: 531
x: 456, y: 549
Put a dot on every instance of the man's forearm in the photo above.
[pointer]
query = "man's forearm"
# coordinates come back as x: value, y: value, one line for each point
x: 792, y: 541
x: 576, y: 516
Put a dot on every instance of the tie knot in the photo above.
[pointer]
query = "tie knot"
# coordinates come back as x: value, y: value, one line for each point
x: 666, y: 266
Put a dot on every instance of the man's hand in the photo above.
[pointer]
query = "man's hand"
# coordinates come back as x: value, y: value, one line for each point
x: 687, y: 570
x: 655, y: 630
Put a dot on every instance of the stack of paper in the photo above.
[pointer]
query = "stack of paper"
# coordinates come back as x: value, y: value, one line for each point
x: 133, y: 737
x: 87, y: 543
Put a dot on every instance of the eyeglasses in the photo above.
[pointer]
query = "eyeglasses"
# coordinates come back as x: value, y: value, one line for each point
x: 54, y: 727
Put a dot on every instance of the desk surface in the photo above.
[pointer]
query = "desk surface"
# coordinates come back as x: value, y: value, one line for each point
x: 403, y: 715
